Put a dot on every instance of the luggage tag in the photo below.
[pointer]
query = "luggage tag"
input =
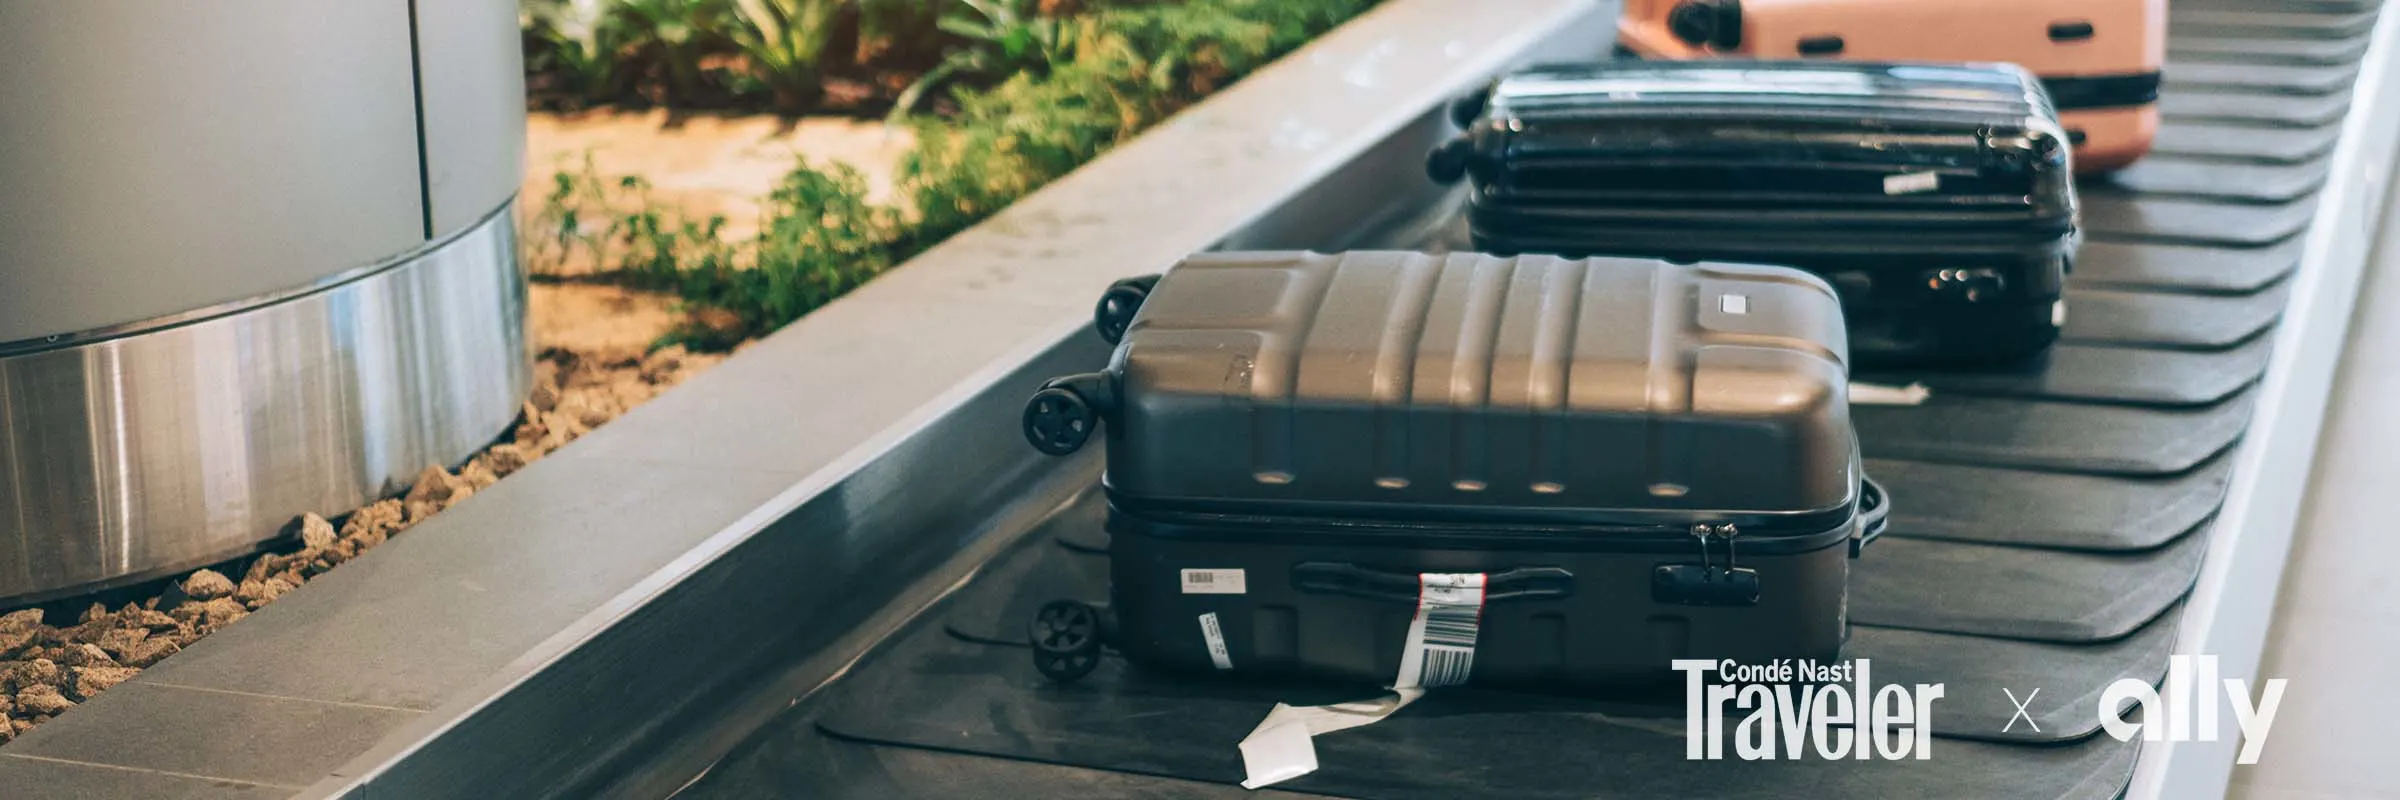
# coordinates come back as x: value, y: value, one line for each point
x: 1876, y: 394
x: 1440, y: 651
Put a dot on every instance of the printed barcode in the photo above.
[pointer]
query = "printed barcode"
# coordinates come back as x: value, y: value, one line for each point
x: 1446, y: 667
x: 1199, y: 577
x: 1451, y: 626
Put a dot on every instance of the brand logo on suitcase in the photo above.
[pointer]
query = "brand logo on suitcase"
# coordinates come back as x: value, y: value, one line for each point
x: 2186, y: 710
x: 1789, y: 709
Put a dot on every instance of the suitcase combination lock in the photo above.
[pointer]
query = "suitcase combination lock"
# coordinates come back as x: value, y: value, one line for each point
x: 1973, y: 285
x: 1705, y: 583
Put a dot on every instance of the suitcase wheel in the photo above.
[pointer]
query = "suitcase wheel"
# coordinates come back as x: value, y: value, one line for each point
x: 1117, y: 307
x: 1707, y: 23
x: 1465, y: 110
x: 1448, y: 163
x: 1066, y: 640
x: 1058, y: 421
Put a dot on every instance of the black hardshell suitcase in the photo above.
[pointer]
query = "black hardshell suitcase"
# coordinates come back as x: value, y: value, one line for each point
x: 1644, y: 461
x: 1936, y: 198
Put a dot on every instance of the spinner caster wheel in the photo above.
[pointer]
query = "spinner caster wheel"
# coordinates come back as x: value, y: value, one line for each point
x: 1066, y: 640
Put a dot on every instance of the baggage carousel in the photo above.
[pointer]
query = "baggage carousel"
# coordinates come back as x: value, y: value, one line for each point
x: 2051, y: 524
x: 807, y: 572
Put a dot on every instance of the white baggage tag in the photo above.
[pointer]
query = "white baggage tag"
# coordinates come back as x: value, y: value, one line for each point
x: 1440, y: 652
x: 1876, y: 394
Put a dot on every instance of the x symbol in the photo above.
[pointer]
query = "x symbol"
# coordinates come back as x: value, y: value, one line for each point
x: 2021, y: 712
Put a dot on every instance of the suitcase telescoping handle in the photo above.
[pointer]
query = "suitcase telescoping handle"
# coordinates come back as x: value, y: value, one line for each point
x: 1521, y: 583
x: 1874, y: 514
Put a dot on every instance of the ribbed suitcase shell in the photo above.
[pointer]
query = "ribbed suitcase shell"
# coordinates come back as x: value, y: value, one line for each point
x: 1490, y: 386
x: 1936, y: 198
x: 1332, y: 427
x: 2099, y: 58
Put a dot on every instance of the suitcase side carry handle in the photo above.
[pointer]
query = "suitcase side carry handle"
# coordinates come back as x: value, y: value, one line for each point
x: 1521, y: 583
x: 1874, y: 514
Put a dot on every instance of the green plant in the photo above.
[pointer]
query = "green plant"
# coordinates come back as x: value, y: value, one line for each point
x: 1102, y: 76
x: 1000, y: 37
x: 676, y: 35
x: 899, y: 32
x: 570, y: 219
x: 785, y: 43
x: 580, y: 42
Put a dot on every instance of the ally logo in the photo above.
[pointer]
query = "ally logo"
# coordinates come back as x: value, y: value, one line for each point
x: 2187, y: 710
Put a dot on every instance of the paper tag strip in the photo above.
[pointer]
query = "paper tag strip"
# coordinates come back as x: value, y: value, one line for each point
x: 1440, y: 652
x: 1876, y: 394
x: 1282, y: 747
x: 1215, y: 635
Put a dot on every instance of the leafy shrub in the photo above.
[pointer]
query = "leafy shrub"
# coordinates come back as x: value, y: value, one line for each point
x: 785, y: 43
x: 1088, y: 81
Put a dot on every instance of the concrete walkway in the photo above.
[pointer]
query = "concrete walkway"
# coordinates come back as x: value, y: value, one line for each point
x: 2336, y: 635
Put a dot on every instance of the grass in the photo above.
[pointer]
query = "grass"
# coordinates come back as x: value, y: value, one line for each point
x: 1104, y: 74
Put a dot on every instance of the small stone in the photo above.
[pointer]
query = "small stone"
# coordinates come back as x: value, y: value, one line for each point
x: 207, y: 585
x: 14, y: 644
x: 24, y: 620
x: 155, y: 621
x: 315, y: 531
x: 186, y: 614
x: 86, y: 655
x: 505, y: 459
x: 587, y: 409
x: 278, y: 587
x: 118, y: 642
x: 43, y: 699
x: 90, y: 632
x: 631, y: 394
x: 152, y: 651
x: 83, y: 683
x: 221, y: 612
x: 21, y: 725
x: 458, y: 494
x: 544, y: 397
x: 478, y: 474
x: 93, y: 614
x: 662, y: 363
x: 432, y: 486
x: 379, y: 520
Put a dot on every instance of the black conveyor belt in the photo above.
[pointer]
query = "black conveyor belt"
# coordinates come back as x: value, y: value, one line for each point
x: 2047, y: 527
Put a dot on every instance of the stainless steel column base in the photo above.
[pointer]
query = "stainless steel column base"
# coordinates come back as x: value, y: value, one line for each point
x: 133, y: 452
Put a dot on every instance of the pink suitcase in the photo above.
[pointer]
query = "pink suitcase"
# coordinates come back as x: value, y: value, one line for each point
x: 2099, y: 58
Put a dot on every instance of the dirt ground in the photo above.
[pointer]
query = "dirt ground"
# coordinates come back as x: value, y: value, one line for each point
x: 700, y: 165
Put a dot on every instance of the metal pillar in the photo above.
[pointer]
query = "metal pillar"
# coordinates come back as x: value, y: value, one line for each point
x: 256, y: 260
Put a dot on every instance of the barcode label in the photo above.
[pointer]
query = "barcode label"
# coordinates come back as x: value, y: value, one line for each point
x: 1447, y: 667
x: 1440, y: 650
x: 1215, y: 581
x: 1451, y: 626
x: 1911, y: 182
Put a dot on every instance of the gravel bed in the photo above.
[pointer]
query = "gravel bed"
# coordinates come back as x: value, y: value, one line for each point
x: 49, y: 664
